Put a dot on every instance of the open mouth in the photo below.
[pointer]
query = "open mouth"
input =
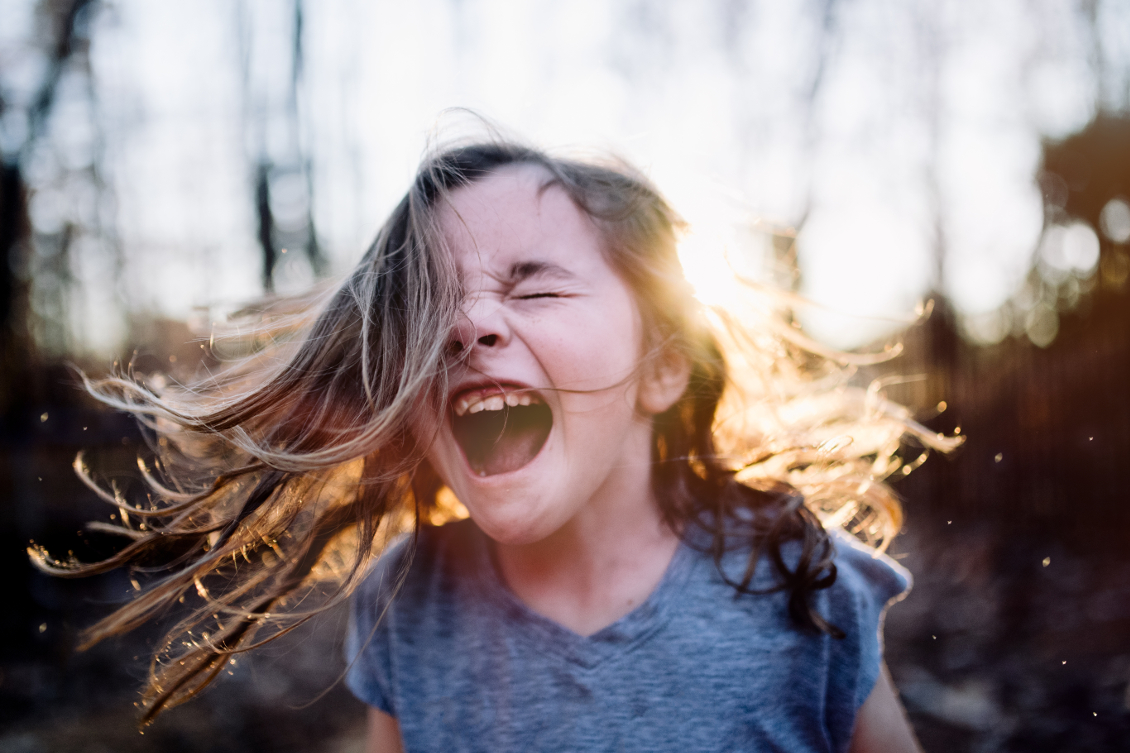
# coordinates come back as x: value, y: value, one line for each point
x: 498, y: 431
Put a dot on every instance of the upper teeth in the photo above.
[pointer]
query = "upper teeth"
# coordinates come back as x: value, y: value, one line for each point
x: 476, y: 403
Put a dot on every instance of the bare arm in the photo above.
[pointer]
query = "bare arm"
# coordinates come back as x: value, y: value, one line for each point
x: 881, y: 723
x: 384, y: 734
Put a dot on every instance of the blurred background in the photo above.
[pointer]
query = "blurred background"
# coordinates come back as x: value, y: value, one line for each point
x: 161, y: 162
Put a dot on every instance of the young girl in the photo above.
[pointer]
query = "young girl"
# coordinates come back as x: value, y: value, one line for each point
x: 651, y: 559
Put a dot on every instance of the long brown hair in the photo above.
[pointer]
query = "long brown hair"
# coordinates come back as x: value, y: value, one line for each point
x: 274, y: 482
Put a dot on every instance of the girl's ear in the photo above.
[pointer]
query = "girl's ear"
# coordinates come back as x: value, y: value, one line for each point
x: 664, y: 381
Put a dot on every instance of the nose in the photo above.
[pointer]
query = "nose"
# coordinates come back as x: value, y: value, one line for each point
x: 482, y: 324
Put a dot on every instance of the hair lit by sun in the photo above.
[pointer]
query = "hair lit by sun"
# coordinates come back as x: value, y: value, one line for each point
x: 707, y: 269
x: 724, y: 248
x: 725, y: 262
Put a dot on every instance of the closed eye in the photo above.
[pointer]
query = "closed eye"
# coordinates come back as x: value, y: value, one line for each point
x: 532, y: 296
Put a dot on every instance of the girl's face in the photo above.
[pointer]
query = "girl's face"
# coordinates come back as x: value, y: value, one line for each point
x: 549, y: 417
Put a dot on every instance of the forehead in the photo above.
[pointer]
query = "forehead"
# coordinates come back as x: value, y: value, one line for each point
x: 515, y: 211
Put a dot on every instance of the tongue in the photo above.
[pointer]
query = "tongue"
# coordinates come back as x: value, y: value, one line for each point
x: 504, y: 440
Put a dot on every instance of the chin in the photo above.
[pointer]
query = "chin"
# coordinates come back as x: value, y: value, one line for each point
x: 517, y: 526
x: 511, y: 537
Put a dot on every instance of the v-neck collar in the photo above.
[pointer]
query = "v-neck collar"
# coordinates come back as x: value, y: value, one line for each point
x: 585, y: 650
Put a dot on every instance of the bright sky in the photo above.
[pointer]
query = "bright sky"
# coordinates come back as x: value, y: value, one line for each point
x: 924, y: 128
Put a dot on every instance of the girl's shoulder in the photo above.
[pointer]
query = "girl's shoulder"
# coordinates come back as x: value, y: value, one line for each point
x: 430, y: 544
x: 845, y: 662
x: 412, y: 591
x: 861, y: 568
x: 431, y: 559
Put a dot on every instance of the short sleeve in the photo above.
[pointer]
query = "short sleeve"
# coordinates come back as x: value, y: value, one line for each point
x: 868, y: 582
x: 367, y: 640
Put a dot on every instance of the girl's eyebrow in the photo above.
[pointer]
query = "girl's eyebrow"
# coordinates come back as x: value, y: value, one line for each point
x: 523, y: 270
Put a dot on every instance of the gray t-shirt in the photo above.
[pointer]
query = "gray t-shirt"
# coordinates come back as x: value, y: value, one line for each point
x: 465, y: 666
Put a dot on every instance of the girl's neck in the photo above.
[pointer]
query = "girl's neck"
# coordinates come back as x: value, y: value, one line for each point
x: 599, y: 566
